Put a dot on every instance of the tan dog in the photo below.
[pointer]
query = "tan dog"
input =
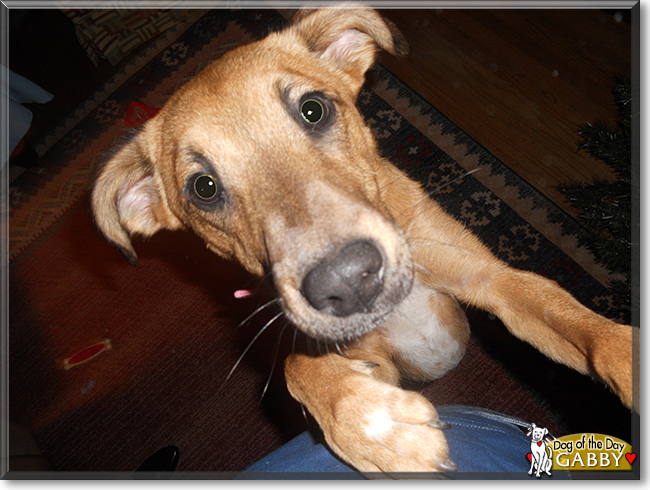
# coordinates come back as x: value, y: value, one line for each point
x: 265, y: 156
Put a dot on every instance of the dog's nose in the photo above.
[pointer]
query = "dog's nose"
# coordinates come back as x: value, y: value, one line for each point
x: 347, y: 282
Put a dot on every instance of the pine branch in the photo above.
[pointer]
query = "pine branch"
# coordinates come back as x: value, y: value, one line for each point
x: 605, y: 208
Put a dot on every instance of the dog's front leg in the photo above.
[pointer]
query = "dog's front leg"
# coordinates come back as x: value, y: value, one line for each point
x: 535, y: 309
x: 532, y: 464
x: 366, y: 418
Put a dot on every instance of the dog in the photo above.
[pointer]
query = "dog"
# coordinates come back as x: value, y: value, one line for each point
x: 541, y: 454
x: 265, y: 156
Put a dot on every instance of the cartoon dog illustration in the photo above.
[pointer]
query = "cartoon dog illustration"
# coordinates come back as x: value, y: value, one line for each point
x: 541, y: 460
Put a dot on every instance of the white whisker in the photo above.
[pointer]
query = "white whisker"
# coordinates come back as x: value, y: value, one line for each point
x: 329, y: 354
x: 421, y: 267
x: 338, y: 348
x: 304, y: 414
x: 456, y: 301
x: 241, y: 357
x: 275, y: 358
x: 437, y: 189
x: 293, y: 345
x: 266, y: 305
x: 430, y: 243
x: 293, y: 351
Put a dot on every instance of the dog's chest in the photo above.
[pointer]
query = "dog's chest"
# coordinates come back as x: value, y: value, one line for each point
x: 420, y: 336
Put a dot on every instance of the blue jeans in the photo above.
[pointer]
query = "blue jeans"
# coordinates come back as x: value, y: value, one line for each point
x: 483, y: 443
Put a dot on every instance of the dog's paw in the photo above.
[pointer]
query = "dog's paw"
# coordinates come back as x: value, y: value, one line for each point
x: 612, y: 358
x: 380, y: 427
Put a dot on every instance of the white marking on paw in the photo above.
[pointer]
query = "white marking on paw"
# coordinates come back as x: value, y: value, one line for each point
x: 379, y: 424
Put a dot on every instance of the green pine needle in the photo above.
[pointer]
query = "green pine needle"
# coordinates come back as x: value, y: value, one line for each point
x: 605, y: 208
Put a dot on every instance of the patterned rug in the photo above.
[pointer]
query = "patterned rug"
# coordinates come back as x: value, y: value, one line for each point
x: 173, y: 322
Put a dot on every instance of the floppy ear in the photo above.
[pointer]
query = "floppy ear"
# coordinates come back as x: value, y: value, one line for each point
x: 127, y: 199
x: 348, y: 37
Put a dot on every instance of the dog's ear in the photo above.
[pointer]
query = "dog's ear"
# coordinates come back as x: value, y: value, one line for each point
x: 349, y: 37
x: 127, y: 199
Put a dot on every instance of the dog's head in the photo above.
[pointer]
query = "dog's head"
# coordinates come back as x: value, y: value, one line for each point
x: 537, y: 433
x: 265, y: 156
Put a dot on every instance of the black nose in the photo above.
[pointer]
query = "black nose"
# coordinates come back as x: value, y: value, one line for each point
x: 347, y: 282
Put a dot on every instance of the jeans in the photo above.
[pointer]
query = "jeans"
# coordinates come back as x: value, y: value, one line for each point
x: 483, y: 443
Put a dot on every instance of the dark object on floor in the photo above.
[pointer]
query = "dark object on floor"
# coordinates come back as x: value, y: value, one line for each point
x: 27, y: 158
x: 155, y: 466
x: 24, y: 452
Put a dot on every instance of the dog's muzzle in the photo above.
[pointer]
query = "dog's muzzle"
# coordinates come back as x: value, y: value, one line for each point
x: 347, y: 281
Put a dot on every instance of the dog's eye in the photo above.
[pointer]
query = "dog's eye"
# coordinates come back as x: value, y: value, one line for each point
x: 316, y: 111
x: 205, y: 191
x: 205, y: 186
x: 312, y: 111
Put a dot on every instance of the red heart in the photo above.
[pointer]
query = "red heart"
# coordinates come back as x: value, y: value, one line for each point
x: 539, y: 443
x: 630, y: 457
x: 529, y: 456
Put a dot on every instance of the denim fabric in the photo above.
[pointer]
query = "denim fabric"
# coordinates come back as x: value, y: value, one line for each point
x: 484, y: 444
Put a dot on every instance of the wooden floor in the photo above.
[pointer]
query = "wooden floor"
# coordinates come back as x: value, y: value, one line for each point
x: 520, y: 82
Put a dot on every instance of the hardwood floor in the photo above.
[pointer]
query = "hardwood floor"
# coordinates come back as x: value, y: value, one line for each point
x: 520, y: 82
